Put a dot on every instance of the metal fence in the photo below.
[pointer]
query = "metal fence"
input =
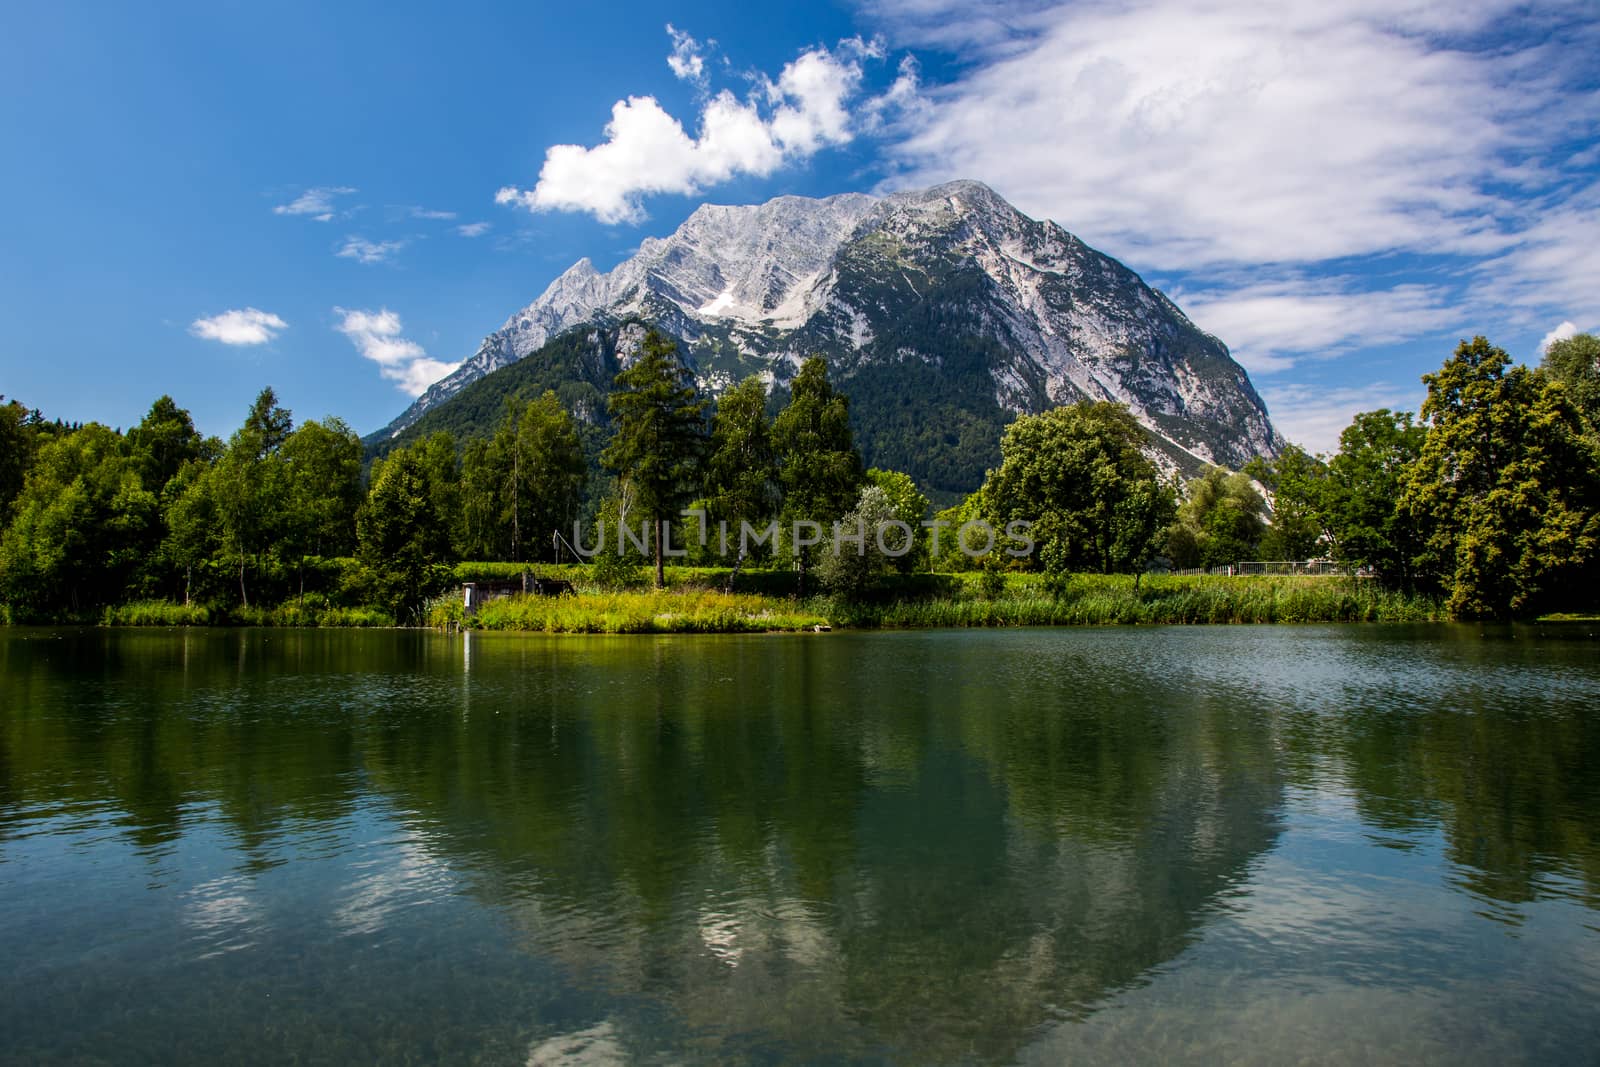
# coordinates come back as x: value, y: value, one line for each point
x: 1309, y: 568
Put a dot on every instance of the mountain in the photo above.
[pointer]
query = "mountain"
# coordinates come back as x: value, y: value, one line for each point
x: 943, y: 313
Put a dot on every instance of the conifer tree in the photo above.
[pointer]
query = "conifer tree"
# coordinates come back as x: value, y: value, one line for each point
x: 660, y: 435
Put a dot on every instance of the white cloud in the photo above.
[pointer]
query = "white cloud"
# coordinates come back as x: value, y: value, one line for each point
x: 904, y: 98
x: 1560, y: 333
x: 1314, y: 416
x: 317, y: 203
x: 243, y: 326
x: 377, y: 336
x: 364, y: 251
x: 473, y: 229
x: 414, y: 378
x: 1187, y: 134
x: 1269, y: 325
x: 1554, y: 265
x: 1269, y: 156
x: 647, y: 151
x: 687, y: 60
x: 427, y: 213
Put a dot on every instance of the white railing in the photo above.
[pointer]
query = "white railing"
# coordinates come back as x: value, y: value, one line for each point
x: 1307, y: 568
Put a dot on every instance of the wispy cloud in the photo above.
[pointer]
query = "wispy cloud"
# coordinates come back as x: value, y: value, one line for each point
x: 364, y: 251
x: 687, y: 61
x: 1267, y: 156
x: 1554, y: 263
x: 242, y: 326
x: 1270, y: 325
x: 428, y: 213
x: 377, y: 336
x: 473, y: 229
x: 1314, y: 416
x: 1187, y: 135
x: 316, y: 203
x: 647, y: 151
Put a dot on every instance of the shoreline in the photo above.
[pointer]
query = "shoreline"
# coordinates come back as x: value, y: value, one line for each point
x: 905, y: 602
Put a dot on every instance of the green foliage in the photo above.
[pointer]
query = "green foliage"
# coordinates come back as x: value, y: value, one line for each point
x: 17, y: 440
x: 942, y: 537
x: 1079, y: 476
x: 164, y: 442
x: 82, y: 529
x: 250, y: 487
x: 403, y: 530
x: 193, y: 539
x: 1505, y: 489
x: 323, y: 491
x: 156, y: 613
x: 311, y: 610
x: 1150, y: 600
x: 653, y: 612
x: 618, y: 563
x: 742, y: 468
x: 943, y: 429
x: 1498, y: 496
x: 1575, y: 363
x: 910, y: 507
x: 1364, y: 483
x: 660, y: 434
x: 854, y: 563
x: 1219, y: 523
x: 1297, y: 481
x: 524, y: 485
x: 819, y: 468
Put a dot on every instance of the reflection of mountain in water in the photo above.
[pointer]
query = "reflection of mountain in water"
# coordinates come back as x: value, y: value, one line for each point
x: 917, y: 847
x: 840, y: 859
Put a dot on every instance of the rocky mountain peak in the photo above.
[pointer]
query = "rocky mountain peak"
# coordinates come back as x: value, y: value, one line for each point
x: 907, y: 287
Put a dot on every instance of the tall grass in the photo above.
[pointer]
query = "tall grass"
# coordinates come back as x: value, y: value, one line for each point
x: 312, y: 611
x: 667, y: 611
x: 1092, y: 600
x: 697, y: 605
x: 292, y: 613
x: 771, y: 581
x: 156, y: 613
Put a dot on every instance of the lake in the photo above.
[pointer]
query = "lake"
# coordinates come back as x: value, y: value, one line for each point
x: 1241, y: 844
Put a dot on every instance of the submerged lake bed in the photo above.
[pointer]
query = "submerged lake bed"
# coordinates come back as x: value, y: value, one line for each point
x: 1251, y: 844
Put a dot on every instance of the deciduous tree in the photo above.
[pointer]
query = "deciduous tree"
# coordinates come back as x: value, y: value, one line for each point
x: 1575, y: 363
x: 1504, y: 490
x: 1078, y: 474
x: 402, y: 531
x: 1363, y: 487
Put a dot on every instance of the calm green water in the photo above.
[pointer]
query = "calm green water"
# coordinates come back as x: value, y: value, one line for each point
x: 1227, y: 844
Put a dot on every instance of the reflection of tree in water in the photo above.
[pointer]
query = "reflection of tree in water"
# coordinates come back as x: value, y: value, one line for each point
x: 160, y: 724
x: 1494, y: 742
x: 916, y: 847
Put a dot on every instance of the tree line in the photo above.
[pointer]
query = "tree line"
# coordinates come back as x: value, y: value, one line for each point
x: 1491, y: 500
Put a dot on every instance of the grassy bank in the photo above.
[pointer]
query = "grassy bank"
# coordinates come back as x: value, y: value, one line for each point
x: 694, y: 603
x: 925, y: 601
x: 667, y: 611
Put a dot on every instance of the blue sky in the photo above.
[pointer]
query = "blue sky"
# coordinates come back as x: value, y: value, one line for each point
x: 340, y: 200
